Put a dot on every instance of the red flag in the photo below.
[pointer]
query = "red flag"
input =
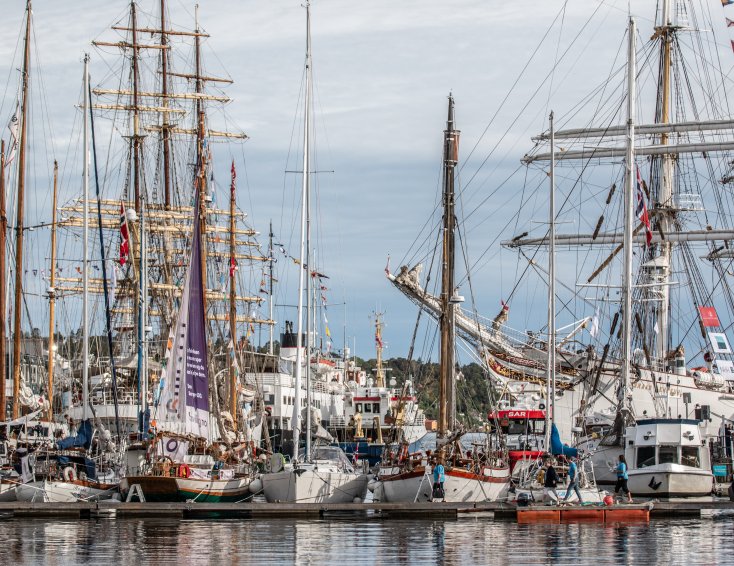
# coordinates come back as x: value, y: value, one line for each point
x: 641, y: 208
x: 124, y: 236
x: 378, y: 340
x: 232, y: 266
x: 709, y: 316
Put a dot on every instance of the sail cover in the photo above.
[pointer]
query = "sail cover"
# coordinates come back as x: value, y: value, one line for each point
x: 184, y: 403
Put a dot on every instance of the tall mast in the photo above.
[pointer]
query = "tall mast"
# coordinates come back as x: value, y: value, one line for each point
x: 232, y: 302
x: 136, y: 114
x: 52, y: 296
x: 624, y: 392
x: 305, y: 189
x: 85, y: 243
x: 665, y: 195
x: 142, y: 300
x: 3, y: 232
x: 165, y: 128
x: 447, y: 403
x: 380, y: 372
x: 550, y: 385
x: 310, y: 288
x: 270, y: 288
x: 19, y: 217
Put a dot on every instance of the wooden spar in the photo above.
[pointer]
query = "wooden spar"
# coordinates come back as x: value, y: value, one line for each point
x: 232, y: 303
x: 136, y: 116
x: 3, y: 229
x: 447, y: 413
x: 203, y: 78
x: 163, y: 31
x: 165, y: 132
x: 17, y: 330
x: 52, y: 297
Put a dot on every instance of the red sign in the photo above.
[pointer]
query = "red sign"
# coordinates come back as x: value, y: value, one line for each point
x: 518, y: 414
x: 709, y: 316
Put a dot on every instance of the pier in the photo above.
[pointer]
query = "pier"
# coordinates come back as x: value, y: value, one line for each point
x: 489, y: 510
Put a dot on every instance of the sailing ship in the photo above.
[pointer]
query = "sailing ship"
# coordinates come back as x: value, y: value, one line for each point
x: 319, y: 474
x: 677, y: 178
x: 485, y: 474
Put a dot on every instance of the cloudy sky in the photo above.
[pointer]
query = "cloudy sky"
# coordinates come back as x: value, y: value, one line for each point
x: 383, y: 70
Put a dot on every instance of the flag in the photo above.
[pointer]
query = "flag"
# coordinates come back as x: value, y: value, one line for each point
x: 729, y: 22
x: 387, y: 267
x: 232, y: 266
x: 726, y: 2
x: 13, y: 126
x: 709, y: 316
x: 378, y: 340
x: 594, y: 330
x: 641, y: 208
x: 124, y: 236
x: 732, y: 44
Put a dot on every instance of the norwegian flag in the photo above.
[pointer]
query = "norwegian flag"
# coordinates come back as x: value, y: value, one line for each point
x: 378, y: 340
x: 124, y: 236
x: 232, y: 266
x: 641, y: 209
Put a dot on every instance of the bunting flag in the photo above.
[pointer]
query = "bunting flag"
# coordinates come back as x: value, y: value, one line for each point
x: 124, y: 236
x: 641, y: 207
x: 13, y: 126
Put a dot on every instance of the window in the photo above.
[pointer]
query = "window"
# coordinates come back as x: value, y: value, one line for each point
x: 285, y: 400
x: 376, y: 408
x: 645, y: 456
x: 359, y: 407
x: 689, y: 456
x: 668, y: 455
x: 367, y: 407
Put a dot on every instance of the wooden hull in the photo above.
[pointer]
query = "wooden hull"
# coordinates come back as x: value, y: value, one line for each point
x: 173, y: 489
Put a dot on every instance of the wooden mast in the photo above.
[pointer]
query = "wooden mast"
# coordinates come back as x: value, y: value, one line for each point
x: 3, y: 231
x: 232, y: 302
x: 52, y: 296
x: 447, y: 412
x: 136, y: 115
x: 17, y: 331
x: 165, y: 128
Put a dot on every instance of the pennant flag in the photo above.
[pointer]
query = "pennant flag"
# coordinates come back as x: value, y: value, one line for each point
x: 709, y: 316
x: 387, y: 266
x: 641, y: 208
x: 13, y: 126
x: 729, y: 22
x: 124, y: 236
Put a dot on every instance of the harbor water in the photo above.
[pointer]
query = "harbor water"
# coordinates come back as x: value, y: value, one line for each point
x: 363, y: 539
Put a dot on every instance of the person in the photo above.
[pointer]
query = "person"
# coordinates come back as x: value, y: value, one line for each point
x: 573, y: 480
x: 550, y: 482
x: 438, y: 479
x: 622, y: 478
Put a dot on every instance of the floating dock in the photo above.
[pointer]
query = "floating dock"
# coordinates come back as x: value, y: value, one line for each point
x: 495, y: 510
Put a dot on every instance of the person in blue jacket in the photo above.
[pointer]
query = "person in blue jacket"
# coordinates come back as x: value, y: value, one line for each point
x: 622, y: 478
x: 573, y: 480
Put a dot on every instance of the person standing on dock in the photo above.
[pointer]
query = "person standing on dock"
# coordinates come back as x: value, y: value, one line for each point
x: 438, y: 479
x: 622, y: 478
x: 573, y: 481
x: 550, y: 482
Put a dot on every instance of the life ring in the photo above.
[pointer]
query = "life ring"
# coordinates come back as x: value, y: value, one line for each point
x: 69, y: 474
x: 184, y: 471
x: 403, y: 453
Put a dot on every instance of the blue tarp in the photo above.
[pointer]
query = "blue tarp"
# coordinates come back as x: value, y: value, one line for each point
x: 83, y: 437
x: 557, y: 447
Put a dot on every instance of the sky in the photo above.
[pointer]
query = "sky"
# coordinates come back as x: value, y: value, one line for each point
x: 382, y: 72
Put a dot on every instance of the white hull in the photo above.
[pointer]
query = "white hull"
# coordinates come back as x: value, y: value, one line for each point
x: 61, y: 492
x: 670, y: 480
x: 7, y: 491
x: 459, y: 485
x: 314, y: 486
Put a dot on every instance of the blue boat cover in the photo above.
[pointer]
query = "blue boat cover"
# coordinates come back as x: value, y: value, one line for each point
x: 557, y: 447
x: 83, y: 437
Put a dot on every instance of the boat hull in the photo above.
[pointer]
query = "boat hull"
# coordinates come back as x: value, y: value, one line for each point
x: 314, y: 486
x: 459, y: 485
x: 64, y: 492
x: 172, y: 489
x: 670, y: 480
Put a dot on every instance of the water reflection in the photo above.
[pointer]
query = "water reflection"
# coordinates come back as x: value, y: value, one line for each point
x: 362, y: 540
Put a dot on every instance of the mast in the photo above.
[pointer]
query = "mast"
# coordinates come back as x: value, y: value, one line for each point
x: 380, y: 372
x: 142, y: 311
x: 550, y: 383
x: 305, y: 189
x: 624, y: 392
x: 232, y: 302
x: 3, y: 232
x: 665, y: 195
x: 19, y: 217
x: 85, y: 244
x: 165, y: 128
x: 52, y: 297
x: 270, y: 287
x: 447, y: 402
x: 136, y: 114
